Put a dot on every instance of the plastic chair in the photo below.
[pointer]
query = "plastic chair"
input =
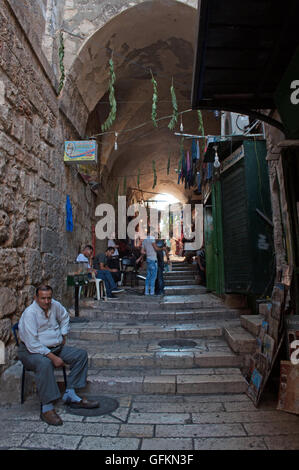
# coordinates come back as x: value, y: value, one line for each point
x: 15, y: 329
x: 128, y: 263
x: 100, y: 287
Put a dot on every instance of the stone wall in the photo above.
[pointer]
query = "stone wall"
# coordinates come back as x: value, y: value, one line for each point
x: 34, y: 182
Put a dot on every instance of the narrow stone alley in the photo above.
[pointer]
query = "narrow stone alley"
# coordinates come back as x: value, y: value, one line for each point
x: 167, y: 364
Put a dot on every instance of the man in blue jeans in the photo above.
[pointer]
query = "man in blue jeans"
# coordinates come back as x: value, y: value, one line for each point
x: 150, y: 249
x: 102, y: 273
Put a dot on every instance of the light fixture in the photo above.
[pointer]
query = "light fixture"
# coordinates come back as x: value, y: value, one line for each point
x: 216, y: 161
x: 115, y: 142
x: 181, y: 125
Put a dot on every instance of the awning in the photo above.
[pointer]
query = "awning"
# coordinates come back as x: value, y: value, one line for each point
x: 243, y: 49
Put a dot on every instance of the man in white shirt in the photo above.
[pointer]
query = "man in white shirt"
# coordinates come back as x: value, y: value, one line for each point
x: 86, y: 256
x: 43, y: 328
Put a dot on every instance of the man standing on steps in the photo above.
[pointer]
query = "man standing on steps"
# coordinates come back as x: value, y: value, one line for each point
x: 150, y: 249
x: 43, y: 328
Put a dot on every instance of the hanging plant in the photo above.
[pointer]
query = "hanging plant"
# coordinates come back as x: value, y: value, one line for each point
x: 201, y: 129
x: 155, y: 174
x: 175, y: 113
x: 61, y: 64
x: 112, y: 115
x: 155, y: 101
x: 168, y: 163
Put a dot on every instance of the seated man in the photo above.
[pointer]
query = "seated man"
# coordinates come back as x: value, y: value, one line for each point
x: 111, y: 287
x: 43, y: 328
x: 109, y: 275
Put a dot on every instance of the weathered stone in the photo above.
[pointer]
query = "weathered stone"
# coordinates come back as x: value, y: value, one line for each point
x: 11, y: 267
x: 10, y: 384
x: 51, y: 266
x: 20, y: 232
x: 33, y: 266
x: 7, y: 301
x: 4, y: 223
x: 5, y: 330
x: 49, y: 241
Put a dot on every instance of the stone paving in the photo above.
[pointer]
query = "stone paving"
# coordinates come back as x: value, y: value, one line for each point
x: 156, y: 422
x: 169, y: 398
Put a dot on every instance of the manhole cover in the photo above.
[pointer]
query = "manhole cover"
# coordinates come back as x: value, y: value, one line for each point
x: 177, y: 343
x: 107, y: 405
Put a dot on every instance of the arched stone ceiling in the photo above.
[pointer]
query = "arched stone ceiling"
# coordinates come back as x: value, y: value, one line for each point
x: 155, y: 36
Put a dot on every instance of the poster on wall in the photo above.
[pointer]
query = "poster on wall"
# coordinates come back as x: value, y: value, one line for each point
x: 82, y: 151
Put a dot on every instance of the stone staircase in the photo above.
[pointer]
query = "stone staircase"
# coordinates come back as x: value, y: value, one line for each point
x: 182, y: 343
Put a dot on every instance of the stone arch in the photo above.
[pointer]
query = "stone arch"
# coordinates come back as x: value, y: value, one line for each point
x: 155, y: 35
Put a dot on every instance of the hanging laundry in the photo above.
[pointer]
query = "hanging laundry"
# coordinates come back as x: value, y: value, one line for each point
x: 198, y: 182
x: 194, y: 150
x: 210, y: 171
x: 69, y: 215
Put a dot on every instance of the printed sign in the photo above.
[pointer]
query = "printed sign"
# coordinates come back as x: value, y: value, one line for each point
x: 232, y: 159
x: 82, y: 151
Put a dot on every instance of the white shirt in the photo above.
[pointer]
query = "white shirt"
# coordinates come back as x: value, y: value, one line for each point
x: 147, y: 244
x: 39, y: 332
x: 112, y: 243
x: 82, y: 259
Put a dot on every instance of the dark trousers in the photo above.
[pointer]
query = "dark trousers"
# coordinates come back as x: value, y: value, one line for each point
x: 108, y: 280
x: 43, y: 368
x: 159, y: 285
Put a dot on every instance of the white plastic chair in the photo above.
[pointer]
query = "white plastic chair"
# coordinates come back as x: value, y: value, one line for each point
x: 100, y: 287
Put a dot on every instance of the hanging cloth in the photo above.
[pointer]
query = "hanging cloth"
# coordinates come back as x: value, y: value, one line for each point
x: 198, y: 182
x: 69, y: 215
x: 194, y: 150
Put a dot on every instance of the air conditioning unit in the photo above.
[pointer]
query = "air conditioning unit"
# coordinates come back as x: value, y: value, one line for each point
x: 233, y: 123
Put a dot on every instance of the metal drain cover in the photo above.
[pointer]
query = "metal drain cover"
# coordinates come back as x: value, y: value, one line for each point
x: 177, y: 343
x: 107, y: 406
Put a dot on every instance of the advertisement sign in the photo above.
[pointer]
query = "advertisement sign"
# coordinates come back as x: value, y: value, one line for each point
x: 82, y: 151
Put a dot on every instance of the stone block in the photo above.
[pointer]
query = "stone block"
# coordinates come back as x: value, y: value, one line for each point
x: 50, y: 241
x: 8, y: 303
x: 10, y: 384
x: 33, y: 266
x: 5, y: 330
x: 159, y: 384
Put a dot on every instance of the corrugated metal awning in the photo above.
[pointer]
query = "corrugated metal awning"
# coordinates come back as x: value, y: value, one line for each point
x: 243, y: 49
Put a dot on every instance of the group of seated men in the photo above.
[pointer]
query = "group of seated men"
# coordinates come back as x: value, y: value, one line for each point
x: 103, y: 266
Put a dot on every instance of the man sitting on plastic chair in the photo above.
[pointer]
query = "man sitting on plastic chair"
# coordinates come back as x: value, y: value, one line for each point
x: 108, y: 274
x: 110, y: 285
x: 43, y: 328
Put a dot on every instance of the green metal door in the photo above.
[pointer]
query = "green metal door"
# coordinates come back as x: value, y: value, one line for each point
x: 213, y: 242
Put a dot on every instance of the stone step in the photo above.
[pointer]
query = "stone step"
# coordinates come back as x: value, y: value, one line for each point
x: 184, y: 290
x: 153, y: 356
x: 107, y: 332
x: 180, y: 282
x: 220, y: 313
x: 175, y: 276
x: 141, y: 303
x: 252, y: 323
x: 187, y: 381
x: 240, y: 340
x: 182, y: 273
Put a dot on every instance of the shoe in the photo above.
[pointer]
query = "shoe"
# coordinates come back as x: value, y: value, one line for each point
x: 117, y: 291
x: 111, y: 296
x: 84, y: 403
x: 51, y: 418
